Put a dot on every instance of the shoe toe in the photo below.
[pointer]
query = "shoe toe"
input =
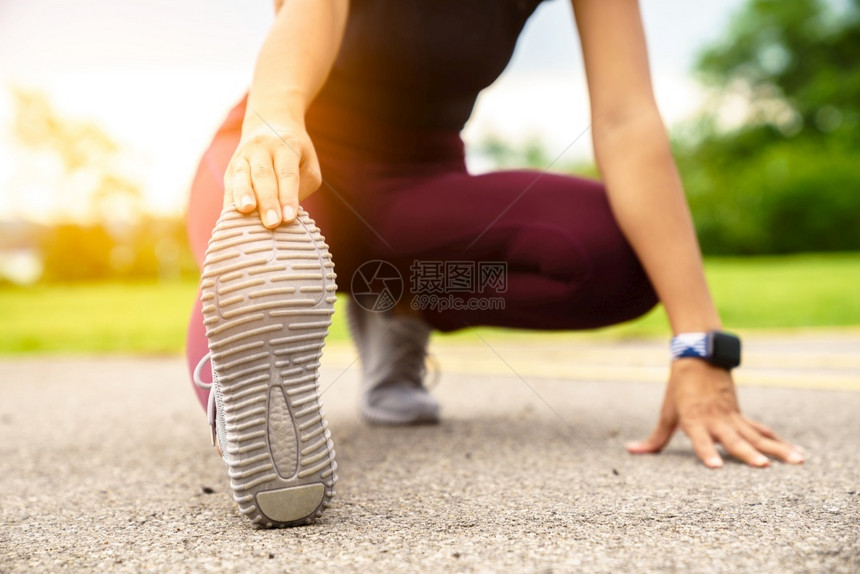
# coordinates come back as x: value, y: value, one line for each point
x: 400, y: 405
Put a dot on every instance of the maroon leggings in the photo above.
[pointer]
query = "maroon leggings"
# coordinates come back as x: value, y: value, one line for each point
x: 404, y: 195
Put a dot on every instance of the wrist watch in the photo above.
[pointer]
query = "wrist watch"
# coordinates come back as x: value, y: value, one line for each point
x: 718, y: 348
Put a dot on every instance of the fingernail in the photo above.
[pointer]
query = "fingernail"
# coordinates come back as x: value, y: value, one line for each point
x: 246, y: 202
x: 795, y: 458
x: 289, y: 213
x: 272, y: 217
x: 633, y: 445
x: 761, y: 461
x: 714, y: 462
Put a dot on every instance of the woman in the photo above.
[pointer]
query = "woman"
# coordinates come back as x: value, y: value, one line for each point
x: 367, y: 98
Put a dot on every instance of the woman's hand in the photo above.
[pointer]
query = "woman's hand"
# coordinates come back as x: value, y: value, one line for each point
x: 700, y: 399
x: 272, y: 172
x: 275, y: 165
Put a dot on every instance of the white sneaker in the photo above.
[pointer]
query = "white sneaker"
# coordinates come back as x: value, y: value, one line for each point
x: 268, y: 296
x: 393, y: 350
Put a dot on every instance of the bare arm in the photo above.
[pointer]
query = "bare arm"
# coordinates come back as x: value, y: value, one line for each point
x: 647, y: 199
x: 634, y: 157
x: 275, y: 165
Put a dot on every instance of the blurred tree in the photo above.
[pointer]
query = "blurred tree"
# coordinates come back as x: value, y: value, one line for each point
x: 771, y: 165
x: 38, y: 126
x: 531, y: 154
x: 801, y: 54
x: 89, y: 158
x: 104, y: 230
x: 75, y: 252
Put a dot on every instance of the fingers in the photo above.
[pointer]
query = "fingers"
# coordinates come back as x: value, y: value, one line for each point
x: 742, y: 440
x: 704, y: 446
x: 661, y: 435
x: 768, y: 443
x: 238, y: 188
x: 659, y: 438
x: 763, y: 430
x: 266, y: 188
x: 701, y: 399
x: 740, y: 448
x: 288, y: 180
x: 271, y: 175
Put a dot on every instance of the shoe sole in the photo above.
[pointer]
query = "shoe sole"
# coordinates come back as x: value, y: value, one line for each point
x: 386, y: 418
x: 268, y: 297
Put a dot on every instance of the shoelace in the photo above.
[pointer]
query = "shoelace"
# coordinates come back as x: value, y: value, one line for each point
x: 410, y: 352
x: 210, y: 407
x: 429, y: 362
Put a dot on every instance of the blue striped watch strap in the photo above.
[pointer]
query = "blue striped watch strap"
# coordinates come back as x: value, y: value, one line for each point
x: 689, y: 345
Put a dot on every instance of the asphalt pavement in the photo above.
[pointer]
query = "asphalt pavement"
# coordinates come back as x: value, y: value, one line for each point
x: 105, y: 466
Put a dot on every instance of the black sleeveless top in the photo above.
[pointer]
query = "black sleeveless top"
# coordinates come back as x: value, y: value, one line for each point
x: 421, y: 63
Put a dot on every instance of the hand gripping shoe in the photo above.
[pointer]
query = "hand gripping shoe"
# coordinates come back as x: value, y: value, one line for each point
x: 268, y: 296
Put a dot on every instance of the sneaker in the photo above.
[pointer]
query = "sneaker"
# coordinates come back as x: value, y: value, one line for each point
x: 268, y: 296
x: 393, y: 350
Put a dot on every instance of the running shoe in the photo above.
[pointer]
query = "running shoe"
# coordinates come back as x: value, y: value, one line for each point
x: 393, y: 351
x: 268, y: 297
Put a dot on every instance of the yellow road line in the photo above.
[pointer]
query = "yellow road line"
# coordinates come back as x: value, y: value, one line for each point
x: 628, y: 363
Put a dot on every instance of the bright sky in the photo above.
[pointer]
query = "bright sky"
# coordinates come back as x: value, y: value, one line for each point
x: 158, y: 76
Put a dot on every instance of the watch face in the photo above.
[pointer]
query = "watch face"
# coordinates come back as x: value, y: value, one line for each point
x: 725, y: 350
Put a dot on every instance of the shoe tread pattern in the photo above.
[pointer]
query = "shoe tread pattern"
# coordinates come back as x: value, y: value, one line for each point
x: 268, y: 297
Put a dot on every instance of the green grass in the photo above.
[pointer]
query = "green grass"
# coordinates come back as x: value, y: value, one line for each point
x: 752, y: 293
x: 95, y: 317
x: 786, y: 292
